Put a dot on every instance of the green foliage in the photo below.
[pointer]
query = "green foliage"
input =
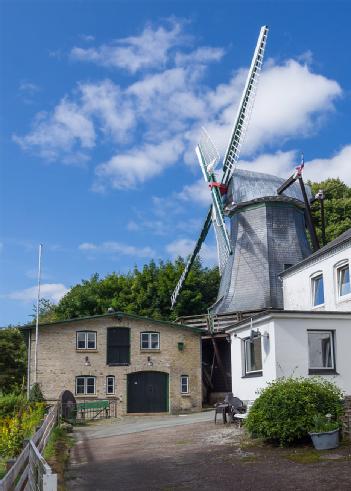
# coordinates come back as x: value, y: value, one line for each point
x: 12, y: 360
x: 337, y: 205
x: 11, y: 404
x: 146, y: 292
x: 35, y: 394
x: 285, y: 410
x: 18, y: 425
x: 321, y: 424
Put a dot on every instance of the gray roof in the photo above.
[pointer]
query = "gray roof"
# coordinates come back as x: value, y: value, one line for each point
x: 117, y: 315
x: 288, y: 313
x: 334, y: 244
x: 246, y: 185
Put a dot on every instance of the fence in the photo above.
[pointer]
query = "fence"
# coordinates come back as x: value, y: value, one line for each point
x: 30, y: 472
x: 86, y: 410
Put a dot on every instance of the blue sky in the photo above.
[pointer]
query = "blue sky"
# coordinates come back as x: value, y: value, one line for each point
x: 101, y: 104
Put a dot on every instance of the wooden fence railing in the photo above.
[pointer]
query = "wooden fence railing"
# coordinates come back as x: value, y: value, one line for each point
x: 30, y: 471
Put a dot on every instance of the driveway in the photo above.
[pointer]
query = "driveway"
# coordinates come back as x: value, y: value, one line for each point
x: 190, y: 452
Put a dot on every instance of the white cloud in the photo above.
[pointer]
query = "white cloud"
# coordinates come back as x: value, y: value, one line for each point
x: 52, y: 291
x: 28, y: 88
x: 280, y: 164
x: 153, y: 122
x: 201, y: 55
x: 337, y: 166
x: 197, y: 192
x: 59, y: 131
x: 184, y: 247
x: 149, y: 49
x: 130, y: 169
x: 117, y: 248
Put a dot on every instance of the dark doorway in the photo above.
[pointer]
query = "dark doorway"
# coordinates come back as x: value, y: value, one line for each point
x: 147, y: 392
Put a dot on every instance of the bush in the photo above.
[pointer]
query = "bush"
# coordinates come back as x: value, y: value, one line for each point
x: 11, y: 403
x: 35, y: 394
x: 285, y: 410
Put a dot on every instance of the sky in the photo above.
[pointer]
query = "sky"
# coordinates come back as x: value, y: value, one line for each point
x: 101, y: 103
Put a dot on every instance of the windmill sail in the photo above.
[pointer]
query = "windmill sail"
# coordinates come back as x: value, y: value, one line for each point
x: 191, y: 259
x: 245, y: 108
x: 208, y: 158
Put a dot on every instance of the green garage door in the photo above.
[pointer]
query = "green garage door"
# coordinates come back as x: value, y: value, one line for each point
x: 147, y: 392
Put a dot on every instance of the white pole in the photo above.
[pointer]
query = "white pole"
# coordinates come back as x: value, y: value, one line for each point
x: 37, y: 319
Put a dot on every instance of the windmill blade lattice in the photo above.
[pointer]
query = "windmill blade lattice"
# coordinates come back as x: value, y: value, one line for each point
x: 245, y: 108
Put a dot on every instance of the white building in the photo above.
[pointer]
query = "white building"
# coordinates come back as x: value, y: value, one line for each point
x: 322, y: 280
x: 311, y: 336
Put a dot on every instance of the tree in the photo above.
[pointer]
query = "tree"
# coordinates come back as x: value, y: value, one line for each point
x: 337, y: 205
x: 12, y: 360
x: 145, y: 292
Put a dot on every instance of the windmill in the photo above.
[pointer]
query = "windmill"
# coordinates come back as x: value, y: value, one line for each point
x: 208, y: 158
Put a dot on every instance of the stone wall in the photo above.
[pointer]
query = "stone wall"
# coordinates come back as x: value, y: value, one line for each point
x: 59, y: 363
x: 346, y: 420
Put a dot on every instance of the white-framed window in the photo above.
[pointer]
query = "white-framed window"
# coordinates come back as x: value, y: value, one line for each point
x: 321, y: 350
x: 110, y: 384
x: 86, y: 340
x: 150, y: 340
x: 317, y: 285
x: 85, y: 385
x: 253, y: 355
x: 184, y: 384
x: 343, y: 280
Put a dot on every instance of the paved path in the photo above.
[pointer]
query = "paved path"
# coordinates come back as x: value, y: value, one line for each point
x: 136, y: 424
x: 190, y: 453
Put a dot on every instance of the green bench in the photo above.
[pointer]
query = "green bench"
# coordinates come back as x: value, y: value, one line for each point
x: 93, y: 408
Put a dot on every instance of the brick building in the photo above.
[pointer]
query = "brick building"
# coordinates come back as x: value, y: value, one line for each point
x: 146, y: 365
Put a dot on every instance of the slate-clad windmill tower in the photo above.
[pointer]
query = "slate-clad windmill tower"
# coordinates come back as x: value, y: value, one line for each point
x: 268, y: 234
x: 267, y: 217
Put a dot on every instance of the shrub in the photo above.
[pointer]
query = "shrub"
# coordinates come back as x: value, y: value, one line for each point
x: 285, y: 410
x: 11, y: 403
x: 14, y: 428
x: 35, y: 394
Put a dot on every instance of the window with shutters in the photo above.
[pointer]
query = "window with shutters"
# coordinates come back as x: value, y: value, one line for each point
x: 118, y: 346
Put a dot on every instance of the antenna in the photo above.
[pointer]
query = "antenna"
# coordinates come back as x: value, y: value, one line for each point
x: 37, y: 317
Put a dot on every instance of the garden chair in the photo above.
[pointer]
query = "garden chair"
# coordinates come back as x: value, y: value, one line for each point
x: 231, y: 405
x: 241, y: 416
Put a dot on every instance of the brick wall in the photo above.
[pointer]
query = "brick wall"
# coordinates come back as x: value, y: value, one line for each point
x: 59, y: 362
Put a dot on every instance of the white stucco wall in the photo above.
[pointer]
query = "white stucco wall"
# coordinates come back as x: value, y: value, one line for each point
x: 297, y: 292
x: 285, y: 353
x: 246, y: 388
x: 292, y: 347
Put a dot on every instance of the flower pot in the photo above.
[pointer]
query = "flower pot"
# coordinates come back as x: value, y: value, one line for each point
x: 325, y: 440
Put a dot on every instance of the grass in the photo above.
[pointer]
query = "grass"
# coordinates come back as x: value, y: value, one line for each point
x: 2, y: 468
x: 57, y: 452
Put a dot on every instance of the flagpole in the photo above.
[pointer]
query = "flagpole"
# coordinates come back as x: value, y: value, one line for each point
x: 37, y: 317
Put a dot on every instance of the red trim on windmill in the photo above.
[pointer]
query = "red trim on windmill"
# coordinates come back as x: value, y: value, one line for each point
x: 299, y: 168
x: 222, y: 187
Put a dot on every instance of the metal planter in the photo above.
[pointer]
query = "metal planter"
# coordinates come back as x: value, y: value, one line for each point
x: 325, y: 440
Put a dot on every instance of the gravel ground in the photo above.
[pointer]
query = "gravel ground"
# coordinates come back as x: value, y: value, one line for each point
x: 202, y: 456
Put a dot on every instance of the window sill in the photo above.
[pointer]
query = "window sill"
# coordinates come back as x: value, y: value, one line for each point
x: 86, y: 350
x: 253, y: 374
x: 322, y: 371
x: 118, y: 364
x: 343, y: 298
x: 150, y: 350
x: 186, y: 395
x: 84, y: 396
x: 320, y: 306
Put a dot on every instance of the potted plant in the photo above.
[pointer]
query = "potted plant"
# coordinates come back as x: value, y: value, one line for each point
x: 324, y: 432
